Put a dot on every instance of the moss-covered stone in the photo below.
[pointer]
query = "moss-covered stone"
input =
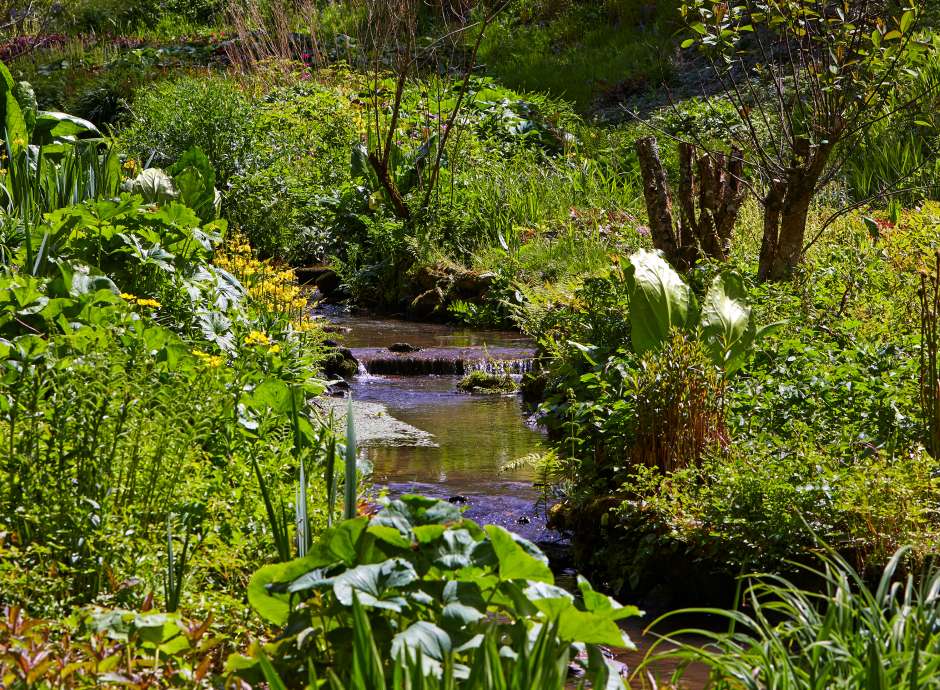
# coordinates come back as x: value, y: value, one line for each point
x: 484, y: 382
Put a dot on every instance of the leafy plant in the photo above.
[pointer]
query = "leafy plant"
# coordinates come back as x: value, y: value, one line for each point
x: 660, y: 301
x: 433, y: 581
x: 190, y: 180
x: 540, y: 662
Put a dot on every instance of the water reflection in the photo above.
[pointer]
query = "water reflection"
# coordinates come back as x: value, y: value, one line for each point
x: 475, y: 435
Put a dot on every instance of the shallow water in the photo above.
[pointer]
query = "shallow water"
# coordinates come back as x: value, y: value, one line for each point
x: 475, y: 437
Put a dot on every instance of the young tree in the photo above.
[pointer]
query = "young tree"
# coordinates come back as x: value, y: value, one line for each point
x: 396, y: 54
x: 808, y: 78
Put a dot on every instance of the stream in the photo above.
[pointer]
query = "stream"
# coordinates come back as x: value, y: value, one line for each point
x: 453, y: 445
x: 469, y: 438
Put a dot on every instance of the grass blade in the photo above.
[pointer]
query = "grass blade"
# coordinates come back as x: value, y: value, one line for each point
x: 349, y: 508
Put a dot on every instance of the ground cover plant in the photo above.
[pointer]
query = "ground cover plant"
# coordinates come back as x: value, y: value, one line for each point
x: 718, y: 222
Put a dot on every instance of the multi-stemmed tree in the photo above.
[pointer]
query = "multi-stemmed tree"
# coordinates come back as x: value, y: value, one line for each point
x: 808, y: 78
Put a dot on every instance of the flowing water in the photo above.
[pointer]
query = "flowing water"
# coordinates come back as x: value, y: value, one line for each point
x: 474, y: 436
x: 468, y: 439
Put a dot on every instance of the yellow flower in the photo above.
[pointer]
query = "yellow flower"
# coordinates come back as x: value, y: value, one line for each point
x: 257, y: 338
x: 149, y: 303
x: 211, y: 361
x: 274, y: 349
x: 129, y: 297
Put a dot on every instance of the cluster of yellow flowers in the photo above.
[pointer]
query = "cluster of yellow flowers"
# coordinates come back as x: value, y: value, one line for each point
x: 141, y: 301
x: 211, y: 361
x: 269, y: 285
x: 257, y: 338
x: 261, y: 339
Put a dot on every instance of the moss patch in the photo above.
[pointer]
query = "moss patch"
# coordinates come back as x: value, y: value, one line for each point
x: 484, y: 382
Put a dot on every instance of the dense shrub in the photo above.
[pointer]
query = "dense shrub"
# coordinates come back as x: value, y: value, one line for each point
x: 825, y: 411
x: 275, y: 155
x: 209, y: 112
x: 111, y: 16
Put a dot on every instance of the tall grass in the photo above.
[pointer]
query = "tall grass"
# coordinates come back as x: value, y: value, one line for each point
x: 36, y: 181
x: 528, y: 190
x: 322, y: 453
x: 842, y: 634
x: 585, y: 52
x: 899, y: 152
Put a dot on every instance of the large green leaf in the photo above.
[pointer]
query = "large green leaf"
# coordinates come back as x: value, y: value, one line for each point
x: 430, y: 639
x: 272, y: 394
x: 602, y: 604
x: 154, y: 185
x: 194, y: 179
x: 726, y: 320
x: 514, y: 561
x: 456, y: 550
x: 274, y: 606
x: 51, y: 126
x: 728, y: 331
x: 659, y: 300
x: 591, y: 628
x: 15, y: 131
x: 26, y: 98
x: 376, y: 584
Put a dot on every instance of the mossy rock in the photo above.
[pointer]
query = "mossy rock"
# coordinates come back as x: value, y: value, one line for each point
x: 484, y: 382
x: 340, y: 363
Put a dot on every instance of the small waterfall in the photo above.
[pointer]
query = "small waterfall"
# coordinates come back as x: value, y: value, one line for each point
x: 443, y: 361
x: 363, y: 374
x: 500, y: 367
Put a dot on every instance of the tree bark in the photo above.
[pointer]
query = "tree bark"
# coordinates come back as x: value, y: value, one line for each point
x: 792, y: 231
x: 385, y: 178
x: 712, y: 182
x: 656, y: 194
x: 786, y: 208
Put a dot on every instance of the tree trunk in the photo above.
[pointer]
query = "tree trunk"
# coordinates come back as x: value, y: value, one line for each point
x: 402, y: 212
x: 656, y: 194
x: 784, y: 232
x: 712, y: 182
x: 786, y: 208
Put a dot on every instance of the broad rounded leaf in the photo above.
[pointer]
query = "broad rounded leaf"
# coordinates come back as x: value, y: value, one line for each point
x: 516, y: 562
x: 375, y: 584
x: 659, y: 300
x: 433, y: 642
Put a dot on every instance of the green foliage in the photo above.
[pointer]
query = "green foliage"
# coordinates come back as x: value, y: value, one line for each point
x: 827, y: 404
x: 903, y: 145
x: 539, y: 662
x: 207, y: 112
x: 111, y: 16
x: 748, y: 507
x: 486, y: 382
x: 94, y: 647
x: 275, y: 155
x: 849, y: 635
x: 583, y: 52
x: 431, y: 580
